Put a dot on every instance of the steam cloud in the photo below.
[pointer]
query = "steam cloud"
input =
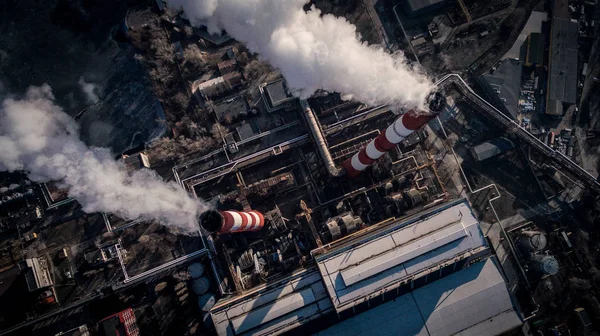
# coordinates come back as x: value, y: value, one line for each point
x: 313, y: 51
x: 38, y: 137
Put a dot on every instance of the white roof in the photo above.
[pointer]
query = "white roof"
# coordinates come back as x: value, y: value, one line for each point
x: 473, y: 301
x: 275, y: 309
x: 364, y: 269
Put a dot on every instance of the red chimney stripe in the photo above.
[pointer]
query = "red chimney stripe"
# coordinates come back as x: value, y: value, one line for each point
x: 364, y: 158
x: 413, y: 121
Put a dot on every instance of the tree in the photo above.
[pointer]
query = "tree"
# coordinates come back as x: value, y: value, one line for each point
x: 194, y: 56
x: 180, y: 101
x: 163, y: 50
x: 255, y: 69
x: 218, y: 131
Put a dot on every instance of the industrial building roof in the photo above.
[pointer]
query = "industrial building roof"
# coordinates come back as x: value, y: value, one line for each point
x: 231, y: 109
x: 506, y: 82
x: 562, y: 82
x: 273, y: 309
x: 277, y: 93
x: 473, y: 301
x: 491, y: 148
x: 533, y: 49
x: 417, y: 5
x: 369, y: 267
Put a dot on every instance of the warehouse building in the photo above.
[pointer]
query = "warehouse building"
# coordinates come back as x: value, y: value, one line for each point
x: 491, y: 148
x: 532, y: 50
x: 504, y: 85
x: 562, y: 79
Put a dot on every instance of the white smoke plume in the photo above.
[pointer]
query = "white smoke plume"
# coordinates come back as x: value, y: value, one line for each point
x: 90, y: 90
x: 38, y: 137
x: 313, y: 51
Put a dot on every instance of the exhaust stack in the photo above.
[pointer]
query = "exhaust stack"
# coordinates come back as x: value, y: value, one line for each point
x: 393, y: 135
x: 231, y: 221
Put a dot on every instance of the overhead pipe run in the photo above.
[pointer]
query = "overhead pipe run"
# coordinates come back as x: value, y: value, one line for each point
x: 393, y: 135
x: 317, y: 135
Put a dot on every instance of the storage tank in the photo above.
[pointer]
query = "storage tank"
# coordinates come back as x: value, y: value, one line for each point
x: 393, y: 135
x: 196, y: 270
x: 551, y: 139
x: 200, y: 286
x: 545, y: 264
x: 534, y: 241
x: 231, y: 221
x: 206, y: 302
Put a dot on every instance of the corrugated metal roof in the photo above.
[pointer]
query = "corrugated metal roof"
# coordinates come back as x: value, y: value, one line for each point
x: 491, y: 148
x: 417, y: 5
x: 473, y: 301
x: 562, y: 84
x: 366, y: 267
x: 297, y: 299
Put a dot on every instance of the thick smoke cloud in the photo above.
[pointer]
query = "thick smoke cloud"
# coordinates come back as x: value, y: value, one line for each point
x: 313, y: 51
x: 38, y: 137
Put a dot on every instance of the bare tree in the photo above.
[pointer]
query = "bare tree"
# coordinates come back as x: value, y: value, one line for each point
x: 194, y: 56
x: 255, y: 69
x: 163, y: 50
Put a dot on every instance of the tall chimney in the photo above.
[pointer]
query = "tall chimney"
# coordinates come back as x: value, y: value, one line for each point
x: 393, y: 135
x: 231, y: 221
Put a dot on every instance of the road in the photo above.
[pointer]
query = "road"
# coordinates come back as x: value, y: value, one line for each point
x: 558, y: 158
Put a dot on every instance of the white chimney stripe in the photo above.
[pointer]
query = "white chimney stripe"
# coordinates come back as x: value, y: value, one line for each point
x: 248, y: 219
x: 237, y: 220
x: 400, y: 128
x: 391, y: 135
x: 372, y: 152
x: 356, y: 164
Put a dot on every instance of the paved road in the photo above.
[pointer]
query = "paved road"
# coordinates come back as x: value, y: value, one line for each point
x: 556, y: 157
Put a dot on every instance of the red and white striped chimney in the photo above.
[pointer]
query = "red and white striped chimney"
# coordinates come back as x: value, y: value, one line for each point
x: 231, y: 221
x: 393, y: 135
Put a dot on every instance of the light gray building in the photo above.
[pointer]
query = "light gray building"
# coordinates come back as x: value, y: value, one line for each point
x: 419, y: 275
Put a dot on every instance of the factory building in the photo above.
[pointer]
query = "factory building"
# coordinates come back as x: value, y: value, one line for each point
x: 357, y: 277
x: 37, y: 273
x: 415, y: 7
x: 211, y: 88
x: 122, y: 323
x: 473, y: 301
x: 562, y: 78
x: 503, y: 86
x: 532, y: 50
x: 491, y: 148
x: 275, y: 95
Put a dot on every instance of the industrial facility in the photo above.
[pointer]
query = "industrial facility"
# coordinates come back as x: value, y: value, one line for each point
x: 330, y: 226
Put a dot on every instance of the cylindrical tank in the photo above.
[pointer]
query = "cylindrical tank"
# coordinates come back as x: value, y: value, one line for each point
x: 551, y: 139
x: 206, y: 302
x: 231, y: 221
x: 207, y: 321
x: 200, y: 286
x: 545, y: 264
x: 534, y: 241
x: 196, y: 270
x: 393, y: 135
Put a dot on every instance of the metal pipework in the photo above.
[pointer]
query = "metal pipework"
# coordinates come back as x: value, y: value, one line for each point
x: 315, y: 130
x: 393, y: 135
x: 231, y: 221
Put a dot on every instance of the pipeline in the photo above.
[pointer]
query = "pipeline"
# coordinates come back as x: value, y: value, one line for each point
x: 315, y: 130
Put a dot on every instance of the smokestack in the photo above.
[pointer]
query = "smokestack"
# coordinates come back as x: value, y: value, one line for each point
x: 231, y: 221
x: 393, y: 135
